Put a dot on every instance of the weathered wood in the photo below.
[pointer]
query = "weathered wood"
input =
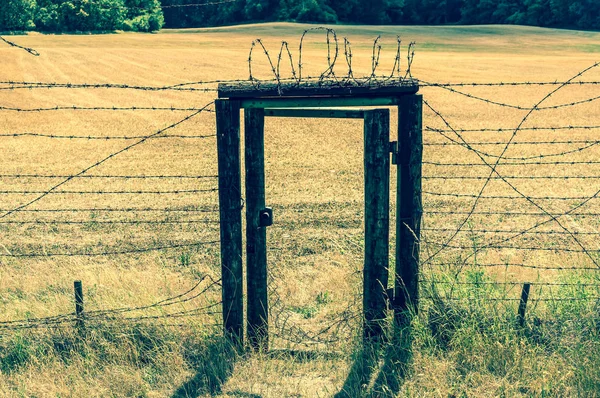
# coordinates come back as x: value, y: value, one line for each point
x: 312, y: 88
x: 230, y: 210
x: 256, y: 236
x: 78, y: 288
x: 318, y: 102
x: 409, y: 207
x: 523, y: 304
x: 316, y: 113
x: 377, y: 209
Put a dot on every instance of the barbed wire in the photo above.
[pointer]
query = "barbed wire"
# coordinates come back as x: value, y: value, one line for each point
x: 104, y: 108
x: 500, y: 247
x: 511, y: 197
x: 110, y: 222
x: 553, y: 267
x: 104, y: 160
x: 108, y: 252
x: 12, y: 44
x: 494, y: 171
x: 541, y: 163
x: 513, y: 84
x: 482, y: 154
x: 506, y: 213
x: 514, y: 143
x: 510, y: 130
x: 125, y: 177
x: 112, y: 314
x: 14, y: 85
x: 519, y: 107
x: 508, y: 299
x: 507, y: 283
x: 130, y: 192
x: 476, y: 178
x: 106, y: 138
x: 124, y: 209
x: 506, y: 231
x: 329, y: 77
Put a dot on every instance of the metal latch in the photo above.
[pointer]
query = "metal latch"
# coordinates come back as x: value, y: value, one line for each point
x: 265, y: 217
x: 394, y: 151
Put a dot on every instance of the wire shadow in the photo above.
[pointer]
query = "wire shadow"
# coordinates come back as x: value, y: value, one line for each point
x: 214, y: 361
x: 380, y: 368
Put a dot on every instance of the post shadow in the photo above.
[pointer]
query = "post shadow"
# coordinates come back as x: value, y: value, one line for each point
x: 214, y: 364
x: 396, y: 363
x: 380, y: 368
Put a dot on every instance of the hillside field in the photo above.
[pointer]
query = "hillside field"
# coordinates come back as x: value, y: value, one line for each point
x: 142, y: 226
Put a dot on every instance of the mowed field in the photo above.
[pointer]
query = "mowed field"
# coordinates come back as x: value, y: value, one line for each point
x: 142, y: 226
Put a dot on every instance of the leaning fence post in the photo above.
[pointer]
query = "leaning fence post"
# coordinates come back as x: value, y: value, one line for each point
x: 409, y: 207
x: 256, y: 233
x: 230, y: 212
x: 377, y: 221
x: 523, y: 304
x: 79, y: 304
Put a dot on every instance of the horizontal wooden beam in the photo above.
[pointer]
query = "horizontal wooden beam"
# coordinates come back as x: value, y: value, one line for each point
x: 319, y: 102
x: 317, y: 87
x: 325, y: 113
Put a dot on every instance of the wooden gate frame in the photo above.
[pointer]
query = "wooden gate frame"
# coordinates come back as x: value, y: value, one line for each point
x: 406, y: 154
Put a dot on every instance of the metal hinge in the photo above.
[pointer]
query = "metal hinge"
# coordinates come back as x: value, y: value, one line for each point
x: 394, y: 151
x: 265, y: 217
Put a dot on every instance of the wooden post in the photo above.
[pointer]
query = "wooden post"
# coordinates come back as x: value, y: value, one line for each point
x: 523, y: 304
x: 230, y: 204
x: 377, y: 206
x: 79, y: 304
x: 409, y: 207
x: 256, y: 235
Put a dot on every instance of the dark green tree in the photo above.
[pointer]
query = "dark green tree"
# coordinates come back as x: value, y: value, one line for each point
x: 17, y: 14
x: 143, y: 15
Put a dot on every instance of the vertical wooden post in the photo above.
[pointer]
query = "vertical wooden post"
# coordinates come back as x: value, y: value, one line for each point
x: 256, y: 235
x: 79, y: 304
x: 523, y: 304
x: 409, y: 207
x: 377, y: 206
x: 230, y: 203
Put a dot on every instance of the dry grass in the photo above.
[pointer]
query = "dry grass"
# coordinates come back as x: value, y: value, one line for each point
x: 314, y: 183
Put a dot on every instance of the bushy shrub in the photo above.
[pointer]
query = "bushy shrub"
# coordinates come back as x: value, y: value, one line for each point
x: 143, y: 15
x: 79, y: 15
x: 313, y: 11
x: 17, y: 15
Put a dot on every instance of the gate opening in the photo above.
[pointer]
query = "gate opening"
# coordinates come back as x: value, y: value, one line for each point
x: 306, y: 100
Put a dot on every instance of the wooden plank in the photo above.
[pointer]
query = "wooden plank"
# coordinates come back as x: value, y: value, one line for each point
x: 318, y: 102
x: 523, y: 304
x: 312, y: 88
x: 256, y: 236
x: 316, y: 113
x: 78, y: 288
x: 409, y: 207
x: 230, y: 210
x: 377, y: 210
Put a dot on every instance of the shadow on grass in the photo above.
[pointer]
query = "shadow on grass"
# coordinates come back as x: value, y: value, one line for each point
x: 379, y: 369
x: 213, y: 361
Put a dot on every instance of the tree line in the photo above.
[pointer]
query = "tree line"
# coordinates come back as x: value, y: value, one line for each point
x: 151, y: 15
x: 81, y: 15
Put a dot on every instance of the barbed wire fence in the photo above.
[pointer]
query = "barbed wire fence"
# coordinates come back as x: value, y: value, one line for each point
x: 484, y: 234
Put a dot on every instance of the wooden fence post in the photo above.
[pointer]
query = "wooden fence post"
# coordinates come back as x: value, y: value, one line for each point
x: 230, y: 204
x: 377, y: 213
x: 78, y: 287
x: 256, y: 234
x: 523, y: 304
x: 409, y: 207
